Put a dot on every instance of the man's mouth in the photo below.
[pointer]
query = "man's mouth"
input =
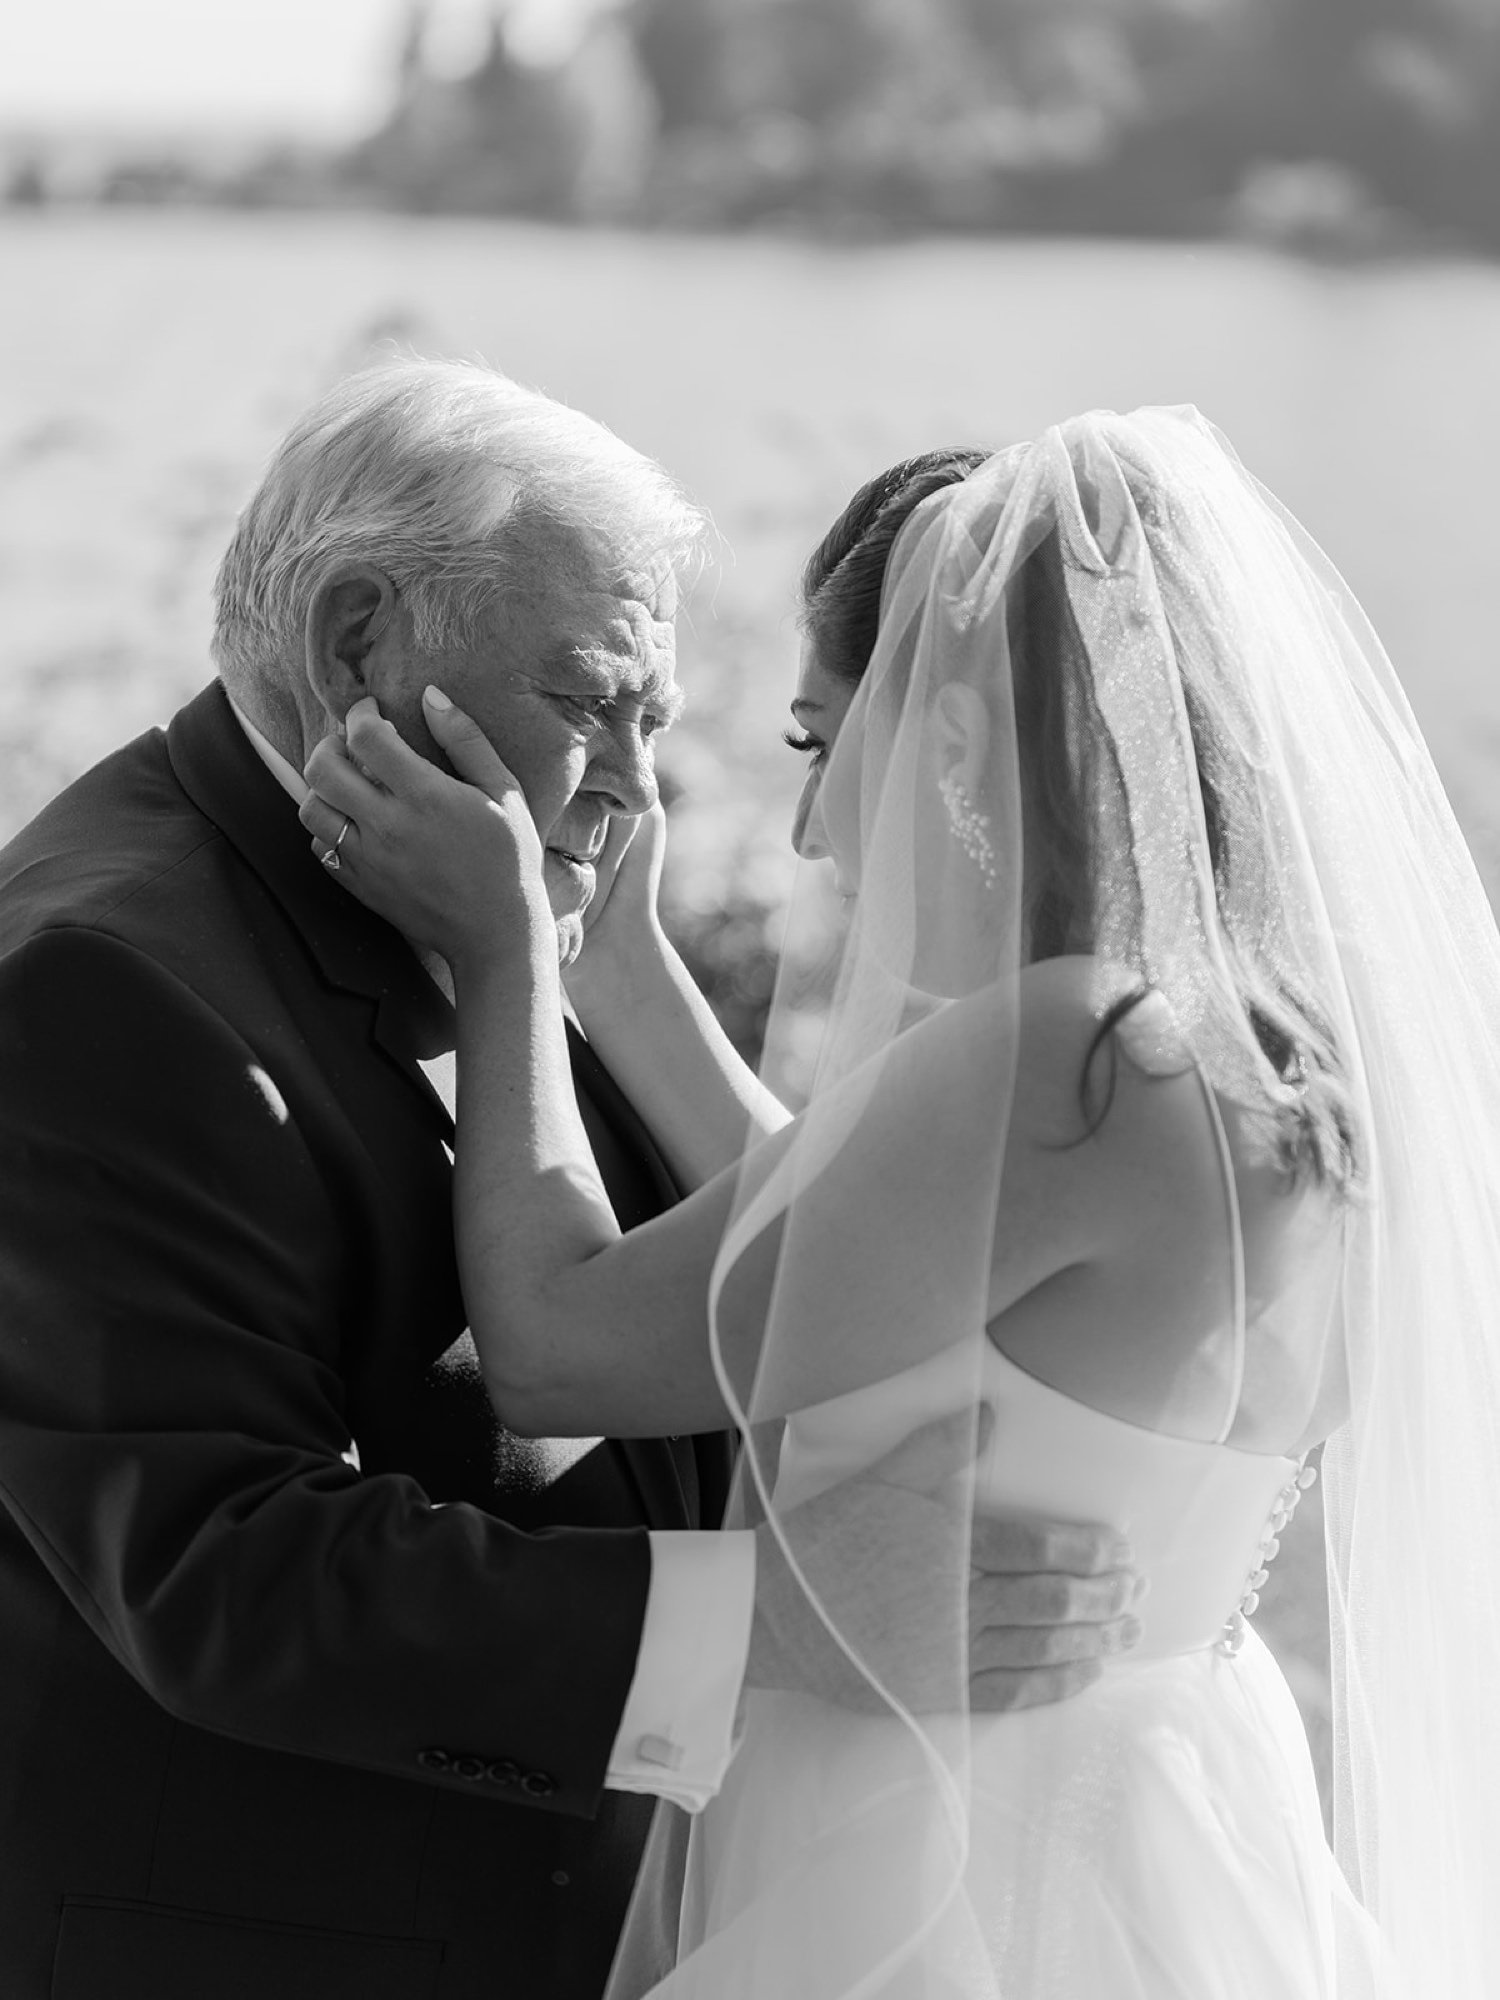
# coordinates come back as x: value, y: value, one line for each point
x: 577, y: 871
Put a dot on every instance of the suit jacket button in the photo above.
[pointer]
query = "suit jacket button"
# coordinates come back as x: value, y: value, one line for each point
x: 538, y: 1784
x: 503, y: 1772
x: 471, y: 1768
x: 434, y: 1760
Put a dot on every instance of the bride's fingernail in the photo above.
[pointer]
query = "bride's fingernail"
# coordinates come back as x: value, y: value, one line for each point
x: 435, y: 698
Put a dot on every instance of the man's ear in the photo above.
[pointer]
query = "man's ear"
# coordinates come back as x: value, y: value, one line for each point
x: 351, y: 610
x: 960, y: 735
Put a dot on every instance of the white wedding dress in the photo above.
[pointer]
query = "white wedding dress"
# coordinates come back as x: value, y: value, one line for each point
x: 1158, y: 1837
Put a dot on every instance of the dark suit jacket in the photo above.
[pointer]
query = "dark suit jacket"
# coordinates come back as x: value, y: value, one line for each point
x: 271, y: 1725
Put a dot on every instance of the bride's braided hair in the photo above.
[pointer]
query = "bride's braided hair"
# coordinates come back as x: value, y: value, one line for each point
x: 841, y: 592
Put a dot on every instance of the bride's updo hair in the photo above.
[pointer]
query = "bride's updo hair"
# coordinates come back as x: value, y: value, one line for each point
x: 1060, y: 738
x: 843, y: 577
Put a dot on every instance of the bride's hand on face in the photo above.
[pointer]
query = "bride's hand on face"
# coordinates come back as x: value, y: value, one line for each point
x: 454, y: 863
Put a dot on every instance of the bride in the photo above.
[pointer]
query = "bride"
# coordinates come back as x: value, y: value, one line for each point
x: 1157, y: 1111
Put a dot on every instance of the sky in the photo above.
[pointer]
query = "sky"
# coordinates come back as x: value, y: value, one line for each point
x: 307, y: 68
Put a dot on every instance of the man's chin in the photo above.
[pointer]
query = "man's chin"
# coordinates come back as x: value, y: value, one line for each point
x: 569, y: 938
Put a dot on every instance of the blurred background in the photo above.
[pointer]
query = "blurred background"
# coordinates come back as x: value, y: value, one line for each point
x: 776, y: 244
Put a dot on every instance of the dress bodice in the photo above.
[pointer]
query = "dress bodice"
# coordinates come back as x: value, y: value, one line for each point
x: 1198, y: 1515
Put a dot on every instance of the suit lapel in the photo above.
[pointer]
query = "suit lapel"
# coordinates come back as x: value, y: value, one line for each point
x: 357, y: 952
x: 640, y: 1185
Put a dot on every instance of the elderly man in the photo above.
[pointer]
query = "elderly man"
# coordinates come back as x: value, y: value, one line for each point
x: 314, y: 1680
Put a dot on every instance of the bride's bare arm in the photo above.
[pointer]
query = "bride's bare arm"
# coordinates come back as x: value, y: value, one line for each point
x: 581, y: 1329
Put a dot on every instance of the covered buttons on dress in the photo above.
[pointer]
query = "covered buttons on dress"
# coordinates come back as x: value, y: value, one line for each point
x: 1232, y: 1638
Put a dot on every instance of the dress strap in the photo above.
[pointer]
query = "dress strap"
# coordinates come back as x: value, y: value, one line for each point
x: 1153, y: 1037
x: 1236, y: 1253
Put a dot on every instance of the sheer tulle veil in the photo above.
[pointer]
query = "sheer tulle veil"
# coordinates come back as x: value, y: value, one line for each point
x: 1127, y: 575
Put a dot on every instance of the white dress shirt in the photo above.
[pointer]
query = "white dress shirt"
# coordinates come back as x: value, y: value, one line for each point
x: 676, y: 1733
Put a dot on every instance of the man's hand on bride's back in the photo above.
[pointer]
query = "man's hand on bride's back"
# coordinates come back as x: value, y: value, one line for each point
x: 1049, y: 1603
x: 895, y: 1565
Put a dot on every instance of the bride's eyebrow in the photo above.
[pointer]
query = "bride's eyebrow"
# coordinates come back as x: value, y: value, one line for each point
x: 801, y: 707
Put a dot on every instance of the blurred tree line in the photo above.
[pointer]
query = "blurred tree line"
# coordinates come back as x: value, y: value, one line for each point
x: 1352, y: 123
x: 1344, y: 125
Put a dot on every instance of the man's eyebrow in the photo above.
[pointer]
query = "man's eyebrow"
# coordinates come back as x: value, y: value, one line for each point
x: 583, y: 663
x: 599, y: 670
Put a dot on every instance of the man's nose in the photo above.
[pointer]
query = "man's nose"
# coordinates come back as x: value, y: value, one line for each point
x: 625, y: 770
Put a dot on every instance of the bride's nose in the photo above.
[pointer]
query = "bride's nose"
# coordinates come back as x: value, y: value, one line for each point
x: 809, y: 837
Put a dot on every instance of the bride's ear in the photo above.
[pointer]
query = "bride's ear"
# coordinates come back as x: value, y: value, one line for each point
x: 960, y: 736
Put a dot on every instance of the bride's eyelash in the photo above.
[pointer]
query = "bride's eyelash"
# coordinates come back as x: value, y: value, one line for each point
x: 803, y: 745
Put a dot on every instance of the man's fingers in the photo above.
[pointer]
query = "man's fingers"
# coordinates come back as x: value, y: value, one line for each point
x: 1050, y: 1599
x: 929, y: 1458
x: 465, y: 745
x: 1001, y: 1692
x: 1017, y: 1648
x: 1084, y: 1548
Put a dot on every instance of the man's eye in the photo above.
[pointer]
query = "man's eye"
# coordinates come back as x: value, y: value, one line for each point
x: 589, y: 710
x: 805, y: 746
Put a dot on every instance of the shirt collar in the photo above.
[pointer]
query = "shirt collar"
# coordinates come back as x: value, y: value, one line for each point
x: 286, y: 775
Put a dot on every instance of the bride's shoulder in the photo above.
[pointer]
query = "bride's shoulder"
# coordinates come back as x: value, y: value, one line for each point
x: 1083, y: 1001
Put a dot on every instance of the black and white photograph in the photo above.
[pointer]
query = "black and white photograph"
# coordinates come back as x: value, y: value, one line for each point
x: 749, y: 1000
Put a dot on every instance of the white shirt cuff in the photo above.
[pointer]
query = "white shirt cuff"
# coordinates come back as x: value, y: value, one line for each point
x: 676, y: 1735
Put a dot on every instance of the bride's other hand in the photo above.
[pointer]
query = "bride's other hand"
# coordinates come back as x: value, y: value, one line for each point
x: 622, y: 921
x: 455, y: 863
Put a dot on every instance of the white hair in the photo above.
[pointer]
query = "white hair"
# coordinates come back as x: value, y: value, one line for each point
x: 439, y: 473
